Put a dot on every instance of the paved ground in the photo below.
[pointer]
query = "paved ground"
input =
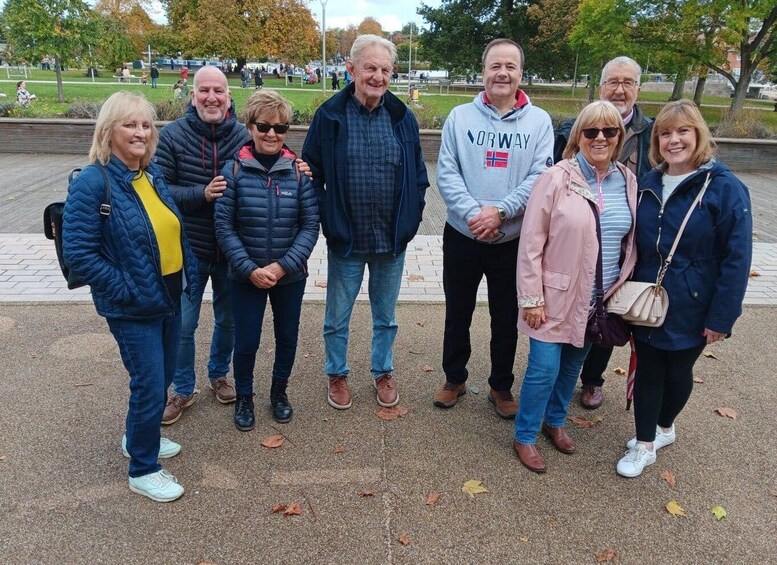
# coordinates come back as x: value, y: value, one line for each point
x: 64, y: 499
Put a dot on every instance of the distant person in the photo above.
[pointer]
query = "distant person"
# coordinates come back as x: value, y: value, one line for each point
x: 125, y: 74
x: 144, y: 78
x: 335, y: 80
x: 258, y: 80
x: 154, y: 75
x: 178, y: 89
x: 245, y: 76
x: 185, y: 75
x: 23, y: 97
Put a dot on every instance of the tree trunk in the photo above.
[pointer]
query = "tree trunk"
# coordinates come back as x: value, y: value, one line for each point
x: 700, y: 84
x: 60, y: 89
x: 741, y: 88
x: 679, y: 84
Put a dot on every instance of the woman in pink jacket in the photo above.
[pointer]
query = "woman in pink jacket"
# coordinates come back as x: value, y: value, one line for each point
x: 557, y: 258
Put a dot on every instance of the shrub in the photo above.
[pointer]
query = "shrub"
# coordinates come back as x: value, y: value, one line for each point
x: 745, y: 125
x: 169, y: 110
x: 83, y: 110
x: 6, y: 110
x: 426, y: 117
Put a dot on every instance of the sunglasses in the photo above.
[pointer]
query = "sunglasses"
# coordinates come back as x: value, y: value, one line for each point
x: 264, y: 127
x: 593, y: 133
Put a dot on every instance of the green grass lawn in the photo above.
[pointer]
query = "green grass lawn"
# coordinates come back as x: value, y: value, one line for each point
x: 758, y: 118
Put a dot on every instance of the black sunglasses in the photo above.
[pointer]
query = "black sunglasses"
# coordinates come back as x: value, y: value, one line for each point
x: 264, y: 127
x: 593, y: 133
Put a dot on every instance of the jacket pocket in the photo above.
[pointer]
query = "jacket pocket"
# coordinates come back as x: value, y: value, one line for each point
x: 699, y: 289
x: 555, y: 286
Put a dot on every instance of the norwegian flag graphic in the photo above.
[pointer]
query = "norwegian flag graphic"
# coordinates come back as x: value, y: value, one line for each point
x: 497, y: 159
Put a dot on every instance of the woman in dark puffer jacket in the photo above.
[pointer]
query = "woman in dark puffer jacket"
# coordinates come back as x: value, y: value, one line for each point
x: 266, y: 225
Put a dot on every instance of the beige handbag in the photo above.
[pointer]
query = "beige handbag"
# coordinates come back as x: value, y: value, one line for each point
x: 644, y: 303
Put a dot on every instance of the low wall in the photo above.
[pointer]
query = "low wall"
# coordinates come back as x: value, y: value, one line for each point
x: 75, y: 137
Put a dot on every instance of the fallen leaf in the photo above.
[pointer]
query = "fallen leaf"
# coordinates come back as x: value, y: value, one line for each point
x: 392, y: 413
x: 608, y: 554
x: 698, y: 380
x: 366, y: 493
x: 414, y: 277
x: 320, y: 284
x: 524, y: 539
x: 727, y: 412
x: 719, y: 512
x: 597, y: 419
x: 293, y: 510
x: 338, y: 449
x: 12, y: 198
x: 674, y: 508
x: 278, y: 508
x: 669, y: 477
x: 427, y: 368
x: 473, y: 487
x: 619, y: 371
x: 433, y: 498
x: 709, y: 354
x: 755, y: 274
x: 273, y: 441
x: 420, y: 324
x: 83, y: 384
x: 552, y: 522
x: 403, y: 539
x: 473, y: 389
x: 581, y: 422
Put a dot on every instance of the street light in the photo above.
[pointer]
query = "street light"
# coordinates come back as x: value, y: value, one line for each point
x: 323, y: 46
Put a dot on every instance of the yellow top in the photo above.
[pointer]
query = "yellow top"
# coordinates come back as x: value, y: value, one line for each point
x: 167, y: 228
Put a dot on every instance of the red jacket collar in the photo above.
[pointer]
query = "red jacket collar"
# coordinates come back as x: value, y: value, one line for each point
x: 520, y: 99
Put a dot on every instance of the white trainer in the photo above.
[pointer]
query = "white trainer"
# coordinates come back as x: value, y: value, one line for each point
x: 662, y: 439
x: 635, y: 461
x: 160, y: 486
x: 167, y: 447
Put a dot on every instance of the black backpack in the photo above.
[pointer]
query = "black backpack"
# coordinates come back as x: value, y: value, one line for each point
x: 52, y: 224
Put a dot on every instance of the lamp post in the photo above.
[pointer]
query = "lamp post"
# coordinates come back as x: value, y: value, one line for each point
x: 410, y: 54
x: 323, y: 46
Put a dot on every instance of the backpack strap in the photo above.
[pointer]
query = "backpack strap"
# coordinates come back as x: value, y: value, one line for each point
x: 105, y: 207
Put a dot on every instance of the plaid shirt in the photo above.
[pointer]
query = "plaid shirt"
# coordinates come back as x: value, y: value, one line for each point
x: 374, y: 159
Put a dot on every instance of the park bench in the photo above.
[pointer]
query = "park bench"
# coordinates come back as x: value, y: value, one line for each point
x: 444, y: 83
x: 130, y: 78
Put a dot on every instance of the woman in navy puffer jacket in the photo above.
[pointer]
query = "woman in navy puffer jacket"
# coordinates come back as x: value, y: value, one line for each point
x: 266, y: 225
x: 138, y: 263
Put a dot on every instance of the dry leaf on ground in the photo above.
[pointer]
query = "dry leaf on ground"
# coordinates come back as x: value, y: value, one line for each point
x: 719, y: 512
x: 427, y: 368
x: 320, y: 284
x: 392, y: 413
x: 698, y: 380
x: 755, y: 274
x: 581, y: 422
x: 727, y: 412
x: 293, y: 510
x: 272, y: 441
x: 674, y: 508
x: 552, y: 522
x: 414, y: 277
x: 366, y: 493
x: 338, y: 449
x: 524, y: 539
x: 669, y: 477
x: 420, y: 324
x: 278, y: 508
x: 619, y: 371
x: 433, y: 498
x: 709, y: 354
x: 473, y: 487
x: 82, y: 384
x: 403, y: 539
x: 608, y: 554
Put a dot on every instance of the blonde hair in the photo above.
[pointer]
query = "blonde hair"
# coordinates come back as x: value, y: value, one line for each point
x: 682, y: 113
x: 119, y: 107
x: 266, y: 102
x: 595, y: 112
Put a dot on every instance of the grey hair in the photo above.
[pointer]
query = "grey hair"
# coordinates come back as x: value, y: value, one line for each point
x: 621, y: 62
x: 370, y: 40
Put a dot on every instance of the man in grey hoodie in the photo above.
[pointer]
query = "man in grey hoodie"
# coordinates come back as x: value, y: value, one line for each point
x: 492, y: 151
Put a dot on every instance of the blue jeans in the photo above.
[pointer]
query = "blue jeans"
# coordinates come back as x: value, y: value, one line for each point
x: 249, y: 303
x: 344, y: 278
x: 153, y: 82
x: 148, y: 349
x: 223, y: 339
x: 548, y: 385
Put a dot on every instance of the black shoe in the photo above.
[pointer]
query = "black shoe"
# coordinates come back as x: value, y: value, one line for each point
x: 244, y: 413
x: 281, y: 407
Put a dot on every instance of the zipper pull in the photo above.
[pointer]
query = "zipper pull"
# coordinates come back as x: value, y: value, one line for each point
x: 277, y: 190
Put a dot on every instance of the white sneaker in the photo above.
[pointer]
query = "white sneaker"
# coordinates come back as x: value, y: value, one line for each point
x: 635, y: 460
x: 160, y: 486
x: 662, y: 439
x: 167, y: 447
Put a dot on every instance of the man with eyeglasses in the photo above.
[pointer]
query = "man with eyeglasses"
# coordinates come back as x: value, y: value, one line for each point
x: 191, y: 152
x: 493, y: 149
x: 364, y: 150
x: 619, y: 84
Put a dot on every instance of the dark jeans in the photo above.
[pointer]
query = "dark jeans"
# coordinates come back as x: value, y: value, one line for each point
x: 148, y: 349
x: 595, y: 365
x: 248, y: 303
x: 465, y: 261
x: 662, y: 387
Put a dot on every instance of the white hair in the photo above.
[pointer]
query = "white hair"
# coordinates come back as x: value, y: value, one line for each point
x: 622, y: 61
x: 370, y: 40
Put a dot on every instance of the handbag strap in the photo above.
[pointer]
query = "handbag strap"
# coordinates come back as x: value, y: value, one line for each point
x: 680, y: 231
x: 599, y: 276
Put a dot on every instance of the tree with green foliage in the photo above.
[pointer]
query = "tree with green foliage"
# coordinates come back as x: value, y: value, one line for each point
x: 61, y: 29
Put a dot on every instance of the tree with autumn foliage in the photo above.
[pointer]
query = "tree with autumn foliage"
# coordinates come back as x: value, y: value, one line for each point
x: 549, y: 47
x: 370, y: 25
x: 62, y: 29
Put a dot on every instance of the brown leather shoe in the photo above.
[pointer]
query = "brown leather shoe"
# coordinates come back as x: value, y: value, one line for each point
x: 448, y: 395
x: 530, y: 457
x: 591, y: 397
x: 224, y: 389
x: 176, y: 404
x: 387, y: 390
x: 560, y: 438
x: 504, y: 403
x: 339, y: 395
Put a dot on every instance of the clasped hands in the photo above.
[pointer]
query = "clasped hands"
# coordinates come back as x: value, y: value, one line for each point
x: 267, y: 277
x: 485, y: 224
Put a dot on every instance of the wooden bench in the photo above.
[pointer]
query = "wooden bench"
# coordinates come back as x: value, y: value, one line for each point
x: 130, y: 78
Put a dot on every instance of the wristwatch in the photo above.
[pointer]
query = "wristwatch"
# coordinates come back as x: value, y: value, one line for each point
x: 502, y: 214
